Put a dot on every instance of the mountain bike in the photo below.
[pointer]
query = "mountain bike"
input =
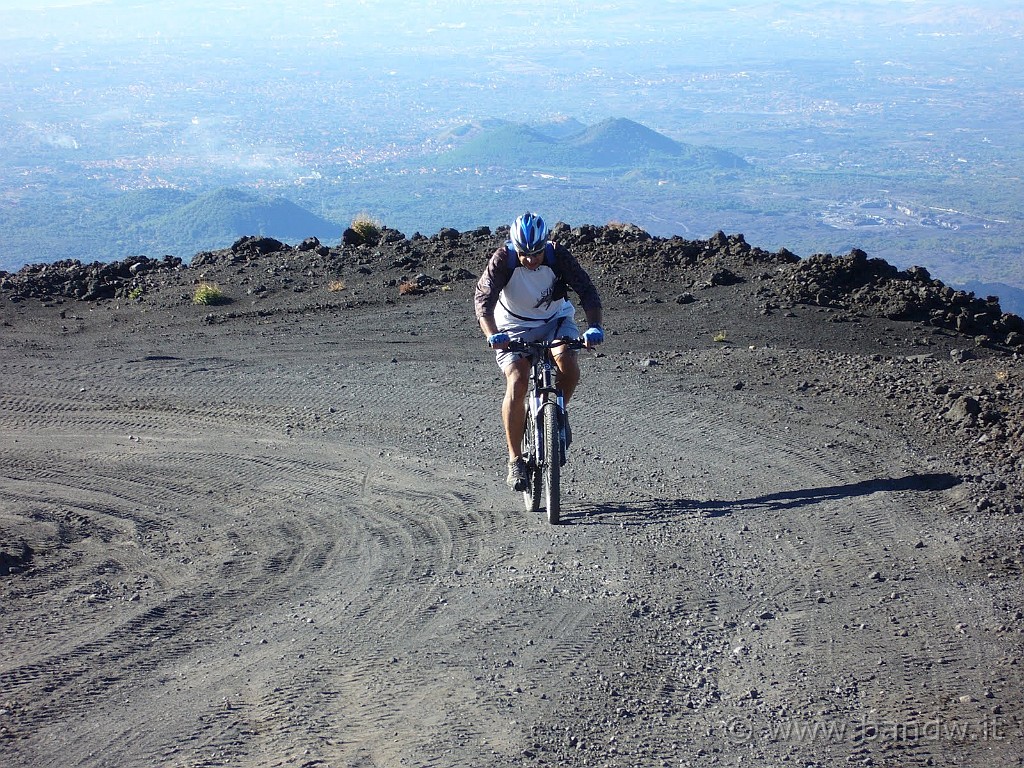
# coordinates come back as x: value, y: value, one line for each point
x: 547, y: 437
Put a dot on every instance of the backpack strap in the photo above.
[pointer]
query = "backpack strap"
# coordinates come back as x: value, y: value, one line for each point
x: 510, y: 256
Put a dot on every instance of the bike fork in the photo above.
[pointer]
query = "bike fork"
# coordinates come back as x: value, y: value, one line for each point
x: 536, y: 406
x: 565, y: 434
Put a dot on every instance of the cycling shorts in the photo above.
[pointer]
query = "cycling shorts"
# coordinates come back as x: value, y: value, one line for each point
x: 558, y: 328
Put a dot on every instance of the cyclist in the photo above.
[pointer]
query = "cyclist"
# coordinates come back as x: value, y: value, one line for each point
x: 522, y: 296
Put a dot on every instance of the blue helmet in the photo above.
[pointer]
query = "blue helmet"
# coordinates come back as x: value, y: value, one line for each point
x: 528, y: 234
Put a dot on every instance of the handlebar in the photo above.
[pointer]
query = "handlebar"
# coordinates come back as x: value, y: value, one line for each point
x: 530, y: 346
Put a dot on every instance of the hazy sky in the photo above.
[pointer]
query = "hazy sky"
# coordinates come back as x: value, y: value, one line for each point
x: 488, y: 45
x: 492, y: 24
x: 268, y: 89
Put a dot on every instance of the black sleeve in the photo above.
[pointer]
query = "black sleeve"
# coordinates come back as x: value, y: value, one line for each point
x: 570, y: 271
x: 495, y: 277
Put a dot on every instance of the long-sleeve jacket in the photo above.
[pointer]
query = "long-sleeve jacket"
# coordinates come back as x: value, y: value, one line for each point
x: 513, y: 294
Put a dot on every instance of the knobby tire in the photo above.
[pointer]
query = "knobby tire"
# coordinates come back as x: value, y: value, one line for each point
x: 552, y: 467
x: 531, y: 496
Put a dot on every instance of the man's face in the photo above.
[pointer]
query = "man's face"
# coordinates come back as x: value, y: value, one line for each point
x: 531, y: 260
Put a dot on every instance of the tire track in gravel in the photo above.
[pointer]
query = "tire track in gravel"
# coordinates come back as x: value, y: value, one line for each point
x: 291, y: 553
x: 811, y: 547
x: 399, y: 546
x: 357, y: 587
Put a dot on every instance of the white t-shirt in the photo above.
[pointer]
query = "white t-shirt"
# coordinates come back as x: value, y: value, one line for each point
x: 527, y: 299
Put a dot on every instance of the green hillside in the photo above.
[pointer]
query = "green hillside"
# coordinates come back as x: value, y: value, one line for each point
x: 615, y: 143
x: 138, y: 206
x: 561, y: 127
x: 222, y: 216
x: 153, y: 222
x: 510, y: 145
x: 618, y: 141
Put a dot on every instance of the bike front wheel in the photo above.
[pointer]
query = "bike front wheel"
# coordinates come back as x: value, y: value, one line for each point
x: 552, y: 467
x: 532, y: 494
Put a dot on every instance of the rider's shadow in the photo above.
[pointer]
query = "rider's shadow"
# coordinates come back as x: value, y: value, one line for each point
x: 648, y: 511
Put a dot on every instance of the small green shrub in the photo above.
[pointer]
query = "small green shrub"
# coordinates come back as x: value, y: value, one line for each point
x: 367, y: 227
x: 135, y: 293
x: 721, y: 337
x: 209, y: 293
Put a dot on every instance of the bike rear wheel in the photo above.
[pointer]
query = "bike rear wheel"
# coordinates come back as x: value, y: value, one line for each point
x: 532, y: 494
x: 552, y: 466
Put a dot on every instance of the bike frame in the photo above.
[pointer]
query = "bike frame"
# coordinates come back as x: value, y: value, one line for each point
x: 544, y: 381
x: 544, y: 447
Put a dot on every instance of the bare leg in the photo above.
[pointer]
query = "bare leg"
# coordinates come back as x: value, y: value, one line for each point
x: 568, y: 373
x: 513, y: 407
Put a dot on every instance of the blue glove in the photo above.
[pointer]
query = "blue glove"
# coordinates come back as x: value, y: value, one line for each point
x: 498, y: 338
x: 593, y: 336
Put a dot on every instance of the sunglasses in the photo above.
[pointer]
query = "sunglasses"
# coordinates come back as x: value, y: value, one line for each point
x: 531, y: 254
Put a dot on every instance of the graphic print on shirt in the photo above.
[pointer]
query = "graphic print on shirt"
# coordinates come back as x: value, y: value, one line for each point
x: 547, y: 297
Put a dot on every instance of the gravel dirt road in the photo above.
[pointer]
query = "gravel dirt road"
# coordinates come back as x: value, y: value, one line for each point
x: 276, y: 533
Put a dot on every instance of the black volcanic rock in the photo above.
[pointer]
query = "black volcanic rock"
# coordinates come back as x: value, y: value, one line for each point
x: 244, y: 249
x: 16, y: 560
x: 631, y: 257
x: 88, y: 282
x: 878, y: 288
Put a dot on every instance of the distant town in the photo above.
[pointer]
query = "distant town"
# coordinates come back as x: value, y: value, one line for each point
x: 915, y: 158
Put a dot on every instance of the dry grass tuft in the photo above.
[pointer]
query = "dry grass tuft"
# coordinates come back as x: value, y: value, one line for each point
x: 367, y: 227
x: 209, y: 293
